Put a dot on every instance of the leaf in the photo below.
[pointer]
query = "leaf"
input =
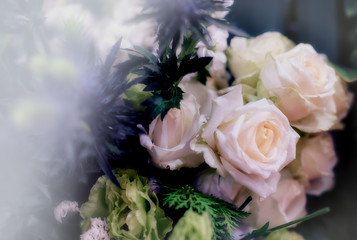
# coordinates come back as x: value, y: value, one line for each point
x: 110, y: 60
x: 264, y: 229
x: 193, y: 65
x: 258, y: 232
x: 177, y: 17
x: 202, y: 76
x: 224, y: 216
x: 148, y: 55
x: 188, y: 46
x: 105, y: 166
x: 163, y: 106
x: 347, y: 74
x: 225, y: 25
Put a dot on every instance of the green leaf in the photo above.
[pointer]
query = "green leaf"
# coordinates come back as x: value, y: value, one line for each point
x: 224, y: 216
x: 148, y: 55
x: 202, y: 76
x: 188, y: 46
x: 347, y: 74
x: 193, y: 65
x: 136, y: 95
x: 165, y: 106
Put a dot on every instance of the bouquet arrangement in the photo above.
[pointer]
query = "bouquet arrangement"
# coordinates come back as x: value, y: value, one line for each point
x: 197, y: 138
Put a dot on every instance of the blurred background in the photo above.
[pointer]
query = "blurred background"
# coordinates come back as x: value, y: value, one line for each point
x: 331, y: 27
x: 45, y: 48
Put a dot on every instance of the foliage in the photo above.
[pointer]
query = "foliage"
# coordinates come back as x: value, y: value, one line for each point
x: 161, y: 77
x: 224, y: 216
x: 264, y: 230
x: 130, y: 212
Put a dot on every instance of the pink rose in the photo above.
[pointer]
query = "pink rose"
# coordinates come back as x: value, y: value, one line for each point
x: 168, y: 140
x: 315, y: 161
x: 226, y: 188
x: 284, y: 205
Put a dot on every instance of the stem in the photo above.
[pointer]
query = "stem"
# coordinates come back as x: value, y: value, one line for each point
x: 308, y: 217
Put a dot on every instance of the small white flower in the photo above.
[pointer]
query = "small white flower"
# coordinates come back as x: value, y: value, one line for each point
x: 64, y: 208
x: 98, y: 231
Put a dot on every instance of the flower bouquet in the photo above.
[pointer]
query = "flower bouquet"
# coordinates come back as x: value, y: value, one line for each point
x: 190, y: 130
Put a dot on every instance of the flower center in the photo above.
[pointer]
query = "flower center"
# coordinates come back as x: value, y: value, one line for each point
x: 265, y: 137
x: 313, y: 69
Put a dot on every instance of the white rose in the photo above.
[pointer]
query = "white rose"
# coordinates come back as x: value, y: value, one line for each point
x: 252, y: 143
x: 247, y: 56
x: 303, y: 84
x: 284, y: 205
x: 168, y: 140
x: 315, y: 161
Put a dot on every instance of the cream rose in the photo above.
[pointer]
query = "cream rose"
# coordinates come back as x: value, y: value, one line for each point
x: 168, y: 140
x: 284, y: 205
x: 315, y: 161
x: 251, y: 143
x: 304, y: 86
x: 247, y: 56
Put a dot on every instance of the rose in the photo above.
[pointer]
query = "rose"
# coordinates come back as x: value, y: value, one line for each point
x: 343, y: 99
x: 303, y: 85
x: 247, y: 56
x: 284, y: 205
x: 315, y: 161
x: 168, y: 140
x: 252, y: 143
x: 226, y: 188
x: 203, y: 94
x: 287, y: 203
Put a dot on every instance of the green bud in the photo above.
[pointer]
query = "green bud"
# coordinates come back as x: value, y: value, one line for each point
x: 284, y: 234
x: 193, y: 226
